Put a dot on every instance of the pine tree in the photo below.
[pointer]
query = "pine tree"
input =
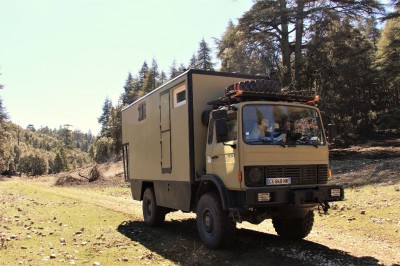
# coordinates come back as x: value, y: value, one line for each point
x: 151, y: 80
x: 244, y: 54
x: 58, y: 164
x: 144, y: 70
x: 193, y: 62
x: 388, y: 55
x: 339, y: 69
x: 66, y: 136
x: 115, y: 123
x: 173, y: 71
x: 131, y: 92
x: 104, y: 118
x: 162, y: 78
x: 182, y: 69
x: 204, y: 58
x: 388, y: 63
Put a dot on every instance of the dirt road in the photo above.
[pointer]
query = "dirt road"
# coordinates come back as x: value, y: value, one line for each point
x: 335, y: 240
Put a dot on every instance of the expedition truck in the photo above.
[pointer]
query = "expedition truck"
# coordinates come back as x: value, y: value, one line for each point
x: 231, y: 148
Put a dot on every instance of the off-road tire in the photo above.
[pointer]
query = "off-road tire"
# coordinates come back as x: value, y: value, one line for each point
x: 214, y: 225
x: 153, y: 215
x: 294, y: 228
x: 257, y: 85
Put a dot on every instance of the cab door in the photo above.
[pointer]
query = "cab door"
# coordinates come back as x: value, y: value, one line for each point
x: 222, y: 157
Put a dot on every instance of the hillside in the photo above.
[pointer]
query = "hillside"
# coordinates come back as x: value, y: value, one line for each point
x: 36, y: 152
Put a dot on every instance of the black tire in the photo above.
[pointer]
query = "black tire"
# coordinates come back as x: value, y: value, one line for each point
x: 294, y: 228
x: 153, y: 215
x: 214, y: 226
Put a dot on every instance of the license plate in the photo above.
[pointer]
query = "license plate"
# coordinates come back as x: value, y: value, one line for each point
x: 278, y: 181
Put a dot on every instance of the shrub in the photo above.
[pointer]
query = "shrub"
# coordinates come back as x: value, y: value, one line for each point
x: 103, y: 150
x: 33, y: 165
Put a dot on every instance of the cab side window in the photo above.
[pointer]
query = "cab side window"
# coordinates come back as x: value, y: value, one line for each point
x: 211, y: 131
x: 231, y: 124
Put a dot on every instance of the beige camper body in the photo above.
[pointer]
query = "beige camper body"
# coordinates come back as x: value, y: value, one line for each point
x: 167, y: 138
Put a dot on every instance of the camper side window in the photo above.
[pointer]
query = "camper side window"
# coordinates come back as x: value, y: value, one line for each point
x: 142, y: 111
x: 179, y: 95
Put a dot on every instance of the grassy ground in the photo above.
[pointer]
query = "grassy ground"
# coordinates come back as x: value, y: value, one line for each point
x: 40, y: 227
x: 84, y: 223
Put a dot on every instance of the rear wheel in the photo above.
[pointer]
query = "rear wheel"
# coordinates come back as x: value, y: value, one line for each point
x: 294, y: 228
x: 153, y: 215
x: 213, y: 224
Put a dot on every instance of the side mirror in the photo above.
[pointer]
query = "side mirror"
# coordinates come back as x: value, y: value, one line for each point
x: 332, y: 133
x: 205, y: 117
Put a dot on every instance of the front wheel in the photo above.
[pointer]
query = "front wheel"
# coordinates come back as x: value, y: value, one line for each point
x: 213, y: 224
x: 294, y: 228
x: 153, y: 215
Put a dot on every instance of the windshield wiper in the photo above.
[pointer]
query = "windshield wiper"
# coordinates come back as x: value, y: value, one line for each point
x: 254, y: 141
x: 267, y: 140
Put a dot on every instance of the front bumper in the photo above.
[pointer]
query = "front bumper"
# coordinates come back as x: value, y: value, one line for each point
x: 293, y: 196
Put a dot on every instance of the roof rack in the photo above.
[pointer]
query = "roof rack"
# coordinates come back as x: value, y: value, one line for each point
x: 236, y: 96
x: 260, y: 90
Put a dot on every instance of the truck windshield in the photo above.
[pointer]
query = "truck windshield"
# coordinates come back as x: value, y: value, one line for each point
x: 281, y: 125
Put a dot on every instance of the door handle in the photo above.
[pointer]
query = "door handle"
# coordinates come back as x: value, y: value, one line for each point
x: 214, y: 157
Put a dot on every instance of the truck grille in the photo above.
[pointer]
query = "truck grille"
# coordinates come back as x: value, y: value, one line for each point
x: 299, y: 174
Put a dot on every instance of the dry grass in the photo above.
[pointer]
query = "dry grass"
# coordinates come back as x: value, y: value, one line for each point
x: 43, y: 227
x: 362, y: 230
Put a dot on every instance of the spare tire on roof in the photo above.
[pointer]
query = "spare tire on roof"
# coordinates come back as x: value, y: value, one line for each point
x: 256, y: 85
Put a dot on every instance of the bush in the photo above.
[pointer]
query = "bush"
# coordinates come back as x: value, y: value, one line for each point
x: 103, y: 150
x: 33, y: 165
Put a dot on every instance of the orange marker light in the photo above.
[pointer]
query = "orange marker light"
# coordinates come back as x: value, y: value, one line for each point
x: 239, y: 176
x: 316, y: 99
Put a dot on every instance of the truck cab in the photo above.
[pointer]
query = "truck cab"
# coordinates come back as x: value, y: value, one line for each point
x: 273, y: 162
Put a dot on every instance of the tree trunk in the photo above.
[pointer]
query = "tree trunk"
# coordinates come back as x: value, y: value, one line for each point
x: 298, y: 56
x: 287, y: 73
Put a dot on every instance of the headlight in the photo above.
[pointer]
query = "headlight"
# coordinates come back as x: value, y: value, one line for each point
x: 254, y: 176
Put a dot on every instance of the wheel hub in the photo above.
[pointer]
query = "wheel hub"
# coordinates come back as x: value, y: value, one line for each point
x: 208, y: 221
x: 148, y: 207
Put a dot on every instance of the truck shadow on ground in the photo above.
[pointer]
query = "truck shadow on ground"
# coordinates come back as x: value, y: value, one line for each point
x: 178, y: 241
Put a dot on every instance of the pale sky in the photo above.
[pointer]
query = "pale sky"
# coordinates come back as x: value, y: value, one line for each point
x: 60, y: 59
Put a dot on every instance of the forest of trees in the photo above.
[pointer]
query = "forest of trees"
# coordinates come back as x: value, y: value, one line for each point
x: 348, y: 52
x: 42, y: 151
x: 334, y: 49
